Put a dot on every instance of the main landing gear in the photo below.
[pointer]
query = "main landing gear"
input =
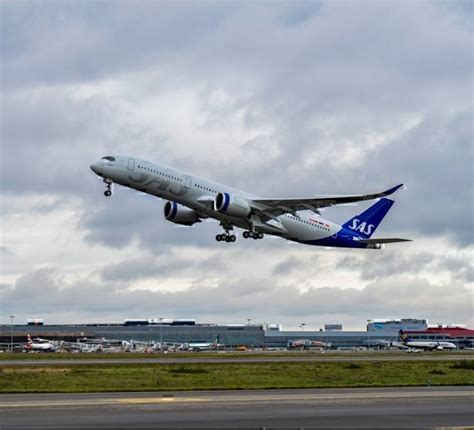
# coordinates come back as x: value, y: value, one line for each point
x: 227, y: 236
x: 252, y: 235
x: 108, y: 184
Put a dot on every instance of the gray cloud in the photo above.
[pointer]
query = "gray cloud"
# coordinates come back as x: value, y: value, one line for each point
x: 301, y: 73
x: 386, y: 264
x: 290, y: 264
x: 315, y: 97
x: 231, y: 301
x: 393, y: 263
x: 162, y: 267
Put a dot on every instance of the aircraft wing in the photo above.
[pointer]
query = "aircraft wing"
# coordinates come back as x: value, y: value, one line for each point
x: 207, y: 202
x: 381, y: 240
x: 281, y: 206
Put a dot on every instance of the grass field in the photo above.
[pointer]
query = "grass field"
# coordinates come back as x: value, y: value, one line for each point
x: 205, y: 376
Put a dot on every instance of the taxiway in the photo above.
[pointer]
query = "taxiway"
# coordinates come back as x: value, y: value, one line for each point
x: 349, y: 408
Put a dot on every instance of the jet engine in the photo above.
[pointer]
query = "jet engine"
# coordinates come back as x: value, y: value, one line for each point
x: 376, y: 246
x: 178, y: 214
x: 232, y: 205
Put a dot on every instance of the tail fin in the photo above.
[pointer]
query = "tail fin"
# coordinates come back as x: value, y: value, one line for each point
x: 365, y: 223
x: 29, y: 342
x: 402, y: 336
x: 215, y: 342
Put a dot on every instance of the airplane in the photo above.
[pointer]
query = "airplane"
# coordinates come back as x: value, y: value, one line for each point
x: 42, y: 345
x: 405, y: 343
x: 191, y: 199
x: 204, y: 346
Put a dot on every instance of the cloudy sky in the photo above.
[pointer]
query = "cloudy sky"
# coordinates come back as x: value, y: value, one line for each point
x: 276, y: 98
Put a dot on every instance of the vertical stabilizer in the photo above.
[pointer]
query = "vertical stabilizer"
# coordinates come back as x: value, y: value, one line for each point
x: 364, y: 224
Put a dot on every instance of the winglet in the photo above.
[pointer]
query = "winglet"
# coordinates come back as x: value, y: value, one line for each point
x: 392, y: 190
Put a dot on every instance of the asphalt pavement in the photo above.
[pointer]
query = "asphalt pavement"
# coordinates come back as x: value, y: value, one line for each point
x: 341, y: 408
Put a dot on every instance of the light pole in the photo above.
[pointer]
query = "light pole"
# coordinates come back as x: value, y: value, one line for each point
x: 368, y: 339
x: 11, y: 332
x: 161, y: 334
x: 302, y: 325
x: 248, y: 321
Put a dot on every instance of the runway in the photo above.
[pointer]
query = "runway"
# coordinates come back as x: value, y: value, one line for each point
x: 349, y: 408
x: 267, y: 358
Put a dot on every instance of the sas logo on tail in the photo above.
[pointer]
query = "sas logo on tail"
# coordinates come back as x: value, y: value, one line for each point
x: 363, y: 227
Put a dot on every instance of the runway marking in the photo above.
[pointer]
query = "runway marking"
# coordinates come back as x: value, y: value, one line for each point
x: 163, y: 400
x: 241, y: 398
x: 102, y: 402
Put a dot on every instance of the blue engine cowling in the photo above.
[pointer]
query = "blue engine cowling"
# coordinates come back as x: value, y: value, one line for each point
x: 232, y: 205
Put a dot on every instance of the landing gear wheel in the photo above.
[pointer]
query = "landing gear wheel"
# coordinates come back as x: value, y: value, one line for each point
x: 227, y: 236
x: 260, y: 235
x: 246, y: 235
x: 108, y: 183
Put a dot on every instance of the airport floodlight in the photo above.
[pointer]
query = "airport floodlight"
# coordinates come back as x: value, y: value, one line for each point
x: 11, y: 332
x: 368, y: 334
x: 161, y: 334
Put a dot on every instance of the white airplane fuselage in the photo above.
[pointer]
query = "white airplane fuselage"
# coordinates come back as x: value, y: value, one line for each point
x: 199, y: 195
x: 45, y: 346
x: 428, y: 345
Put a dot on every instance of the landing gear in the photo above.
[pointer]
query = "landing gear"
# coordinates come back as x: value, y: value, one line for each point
x: 252, y: 235
x: 227, y: 236
x: 108, y: 183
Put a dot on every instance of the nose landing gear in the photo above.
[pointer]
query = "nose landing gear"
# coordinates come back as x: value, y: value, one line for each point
x: 108, y: 184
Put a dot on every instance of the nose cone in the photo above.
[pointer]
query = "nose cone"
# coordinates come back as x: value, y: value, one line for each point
x: 97, y: 167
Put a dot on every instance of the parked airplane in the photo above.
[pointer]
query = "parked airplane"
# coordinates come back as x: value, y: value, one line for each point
x: 405, y: 343
x: 192, y: 199
x: 204, y: 346
x: 41, y: 345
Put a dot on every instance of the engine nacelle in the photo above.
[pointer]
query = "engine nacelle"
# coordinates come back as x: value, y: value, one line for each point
x: 376, y: 246
x: 232, y: 205
x: 180, y: 214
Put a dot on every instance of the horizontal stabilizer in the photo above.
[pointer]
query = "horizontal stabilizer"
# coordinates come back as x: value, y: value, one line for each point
x: 381, y: 240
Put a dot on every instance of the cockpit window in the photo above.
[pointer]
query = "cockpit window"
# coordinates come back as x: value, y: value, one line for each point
x: 108, y: 158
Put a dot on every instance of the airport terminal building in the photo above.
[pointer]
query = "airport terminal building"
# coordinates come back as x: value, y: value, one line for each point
x: 379, y: 333
x: 177, y: 331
